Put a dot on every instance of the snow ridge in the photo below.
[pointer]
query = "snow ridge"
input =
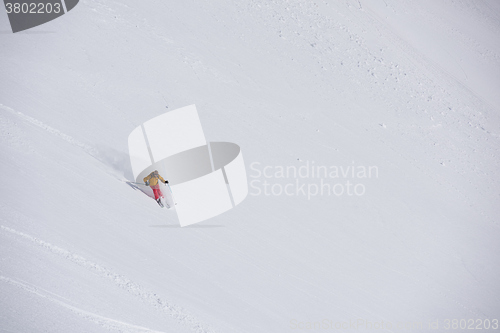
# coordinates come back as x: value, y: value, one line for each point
x: 105, y: 322
x: 121, y: 281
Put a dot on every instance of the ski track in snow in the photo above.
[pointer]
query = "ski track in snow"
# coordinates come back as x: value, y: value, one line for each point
x: 179, y: 314
x: 105, y: 322
x: 69, y: 139
x: 88, y: 149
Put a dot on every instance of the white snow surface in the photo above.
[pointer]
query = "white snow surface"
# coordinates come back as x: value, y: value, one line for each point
x: 411, y: 87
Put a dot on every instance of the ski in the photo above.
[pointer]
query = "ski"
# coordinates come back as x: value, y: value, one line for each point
x: 137, y: 183
x: 160, y: 203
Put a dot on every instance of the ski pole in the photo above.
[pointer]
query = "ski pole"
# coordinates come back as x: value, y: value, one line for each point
x: 171, y: 193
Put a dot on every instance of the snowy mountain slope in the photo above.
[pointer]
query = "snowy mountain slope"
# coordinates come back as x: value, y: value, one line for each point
x: 407, y: 88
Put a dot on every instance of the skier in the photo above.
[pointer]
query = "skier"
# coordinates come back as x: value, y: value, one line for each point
x: 152, y: 181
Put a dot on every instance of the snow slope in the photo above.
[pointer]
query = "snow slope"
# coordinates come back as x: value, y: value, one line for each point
x: 409, y: 87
